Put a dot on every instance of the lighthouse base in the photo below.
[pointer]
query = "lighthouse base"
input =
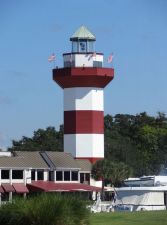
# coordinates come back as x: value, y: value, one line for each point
x: 92, y: 160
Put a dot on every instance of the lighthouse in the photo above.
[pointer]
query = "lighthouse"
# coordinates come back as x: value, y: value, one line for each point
x: 83, y: 79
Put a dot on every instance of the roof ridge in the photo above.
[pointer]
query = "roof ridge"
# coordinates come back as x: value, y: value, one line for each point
x: 47, y: 159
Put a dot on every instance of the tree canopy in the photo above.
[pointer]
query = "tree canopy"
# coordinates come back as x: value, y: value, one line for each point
x: 139, y: 141
x: 110, y: 172
x: 42, y: 140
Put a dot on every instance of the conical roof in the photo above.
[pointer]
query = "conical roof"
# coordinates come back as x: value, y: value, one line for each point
x: 82, y: 33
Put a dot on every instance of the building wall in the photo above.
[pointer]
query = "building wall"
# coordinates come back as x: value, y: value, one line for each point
x: 84, y: 122
x: 45, y: 175
x: 84, y: 145
x: 4, y: 153
x: 83, y: 98
x: 27, y: 176
x: 86, y: 59
x: 95, y: 183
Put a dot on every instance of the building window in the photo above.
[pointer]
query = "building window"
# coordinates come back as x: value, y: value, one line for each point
x: 69, y: 64
x: 4, y: 174
x: 75, y: 46
x: 51, y: 175
x: 59, y: 175
x: 74, y: 175
x: 90, y: 46
x: 32, y: 174
x: 97, y: 64
x: 82, y: 46
x: 66, y: 175
x: 87, y: 177
x: 17, y: 174
x: 40, y: 175
x: 81, y: 178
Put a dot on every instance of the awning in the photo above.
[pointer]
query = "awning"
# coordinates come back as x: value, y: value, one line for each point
x: 44, y: 186
x: 8, y: 187
x: 1, y: 189
x: 49, y: 186
x: 20, y: 188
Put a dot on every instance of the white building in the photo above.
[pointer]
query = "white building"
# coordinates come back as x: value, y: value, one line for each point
x: 27, y: 172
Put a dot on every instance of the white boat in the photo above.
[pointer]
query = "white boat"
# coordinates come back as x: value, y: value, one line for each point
x: 149, y: 181
x: 140, y: 181
x: 141, y: 198
x: 146, y: 181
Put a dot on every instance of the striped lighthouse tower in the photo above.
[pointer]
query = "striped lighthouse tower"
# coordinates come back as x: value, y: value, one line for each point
x: 83, y: 79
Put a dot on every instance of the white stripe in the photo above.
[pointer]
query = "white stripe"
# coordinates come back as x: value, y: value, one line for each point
x: 86, y: 98
x: 84, y: 145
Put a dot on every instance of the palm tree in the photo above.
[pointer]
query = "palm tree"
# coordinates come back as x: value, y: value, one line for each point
x: 101, y: 171
x: 110, y: 172
x: 119, y: 172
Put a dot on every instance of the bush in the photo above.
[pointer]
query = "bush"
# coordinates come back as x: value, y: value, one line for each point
x: 46, y: 209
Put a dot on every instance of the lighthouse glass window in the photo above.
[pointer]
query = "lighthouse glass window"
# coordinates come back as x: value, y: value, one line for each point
x: 82, y: 46
x: 74, y: 46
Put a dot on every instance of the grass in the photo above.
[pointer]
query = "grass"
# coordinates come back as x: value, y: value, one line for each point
x: 45, y: 209
x: 54, y: 209
x: 130, y: 218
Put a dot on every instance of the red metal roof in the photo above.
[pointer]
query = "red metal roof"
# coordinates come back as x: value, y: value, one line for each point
x: 49, y: 186
x: 20, y: 188
x: 8, y: 187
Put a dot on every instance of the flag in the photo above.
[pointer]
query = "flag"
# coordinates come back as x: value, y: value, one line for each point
x: 110, y: 58
x: 92, y: 55
x: 52, y: 58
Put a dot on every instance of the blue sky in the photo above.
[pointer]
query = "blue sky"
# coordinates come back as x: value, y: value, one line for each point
x: 134, y: 30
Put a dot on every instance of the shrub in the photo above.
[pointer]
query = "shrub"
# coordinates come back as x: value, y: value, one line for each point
x: 45, y: 209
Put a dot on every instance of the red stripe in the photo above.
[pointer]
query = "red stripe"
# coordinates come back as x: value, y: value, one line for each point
x: 83, y: 77
x: 83, y: 122
x: 91, y: 159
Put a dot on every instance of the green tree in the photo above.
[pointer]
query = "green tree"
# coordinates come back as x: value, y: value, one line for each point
x: 42, y: 140
x: 119, y: 172
x: 151, y: 152
x: 110, y: 172
x: 139, y: 141
x: 101, y: 171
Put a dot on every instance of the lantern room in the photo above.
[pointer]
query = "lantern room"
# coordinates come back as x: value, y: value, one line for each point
x: 82, y: 41
x: 83, y: 53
